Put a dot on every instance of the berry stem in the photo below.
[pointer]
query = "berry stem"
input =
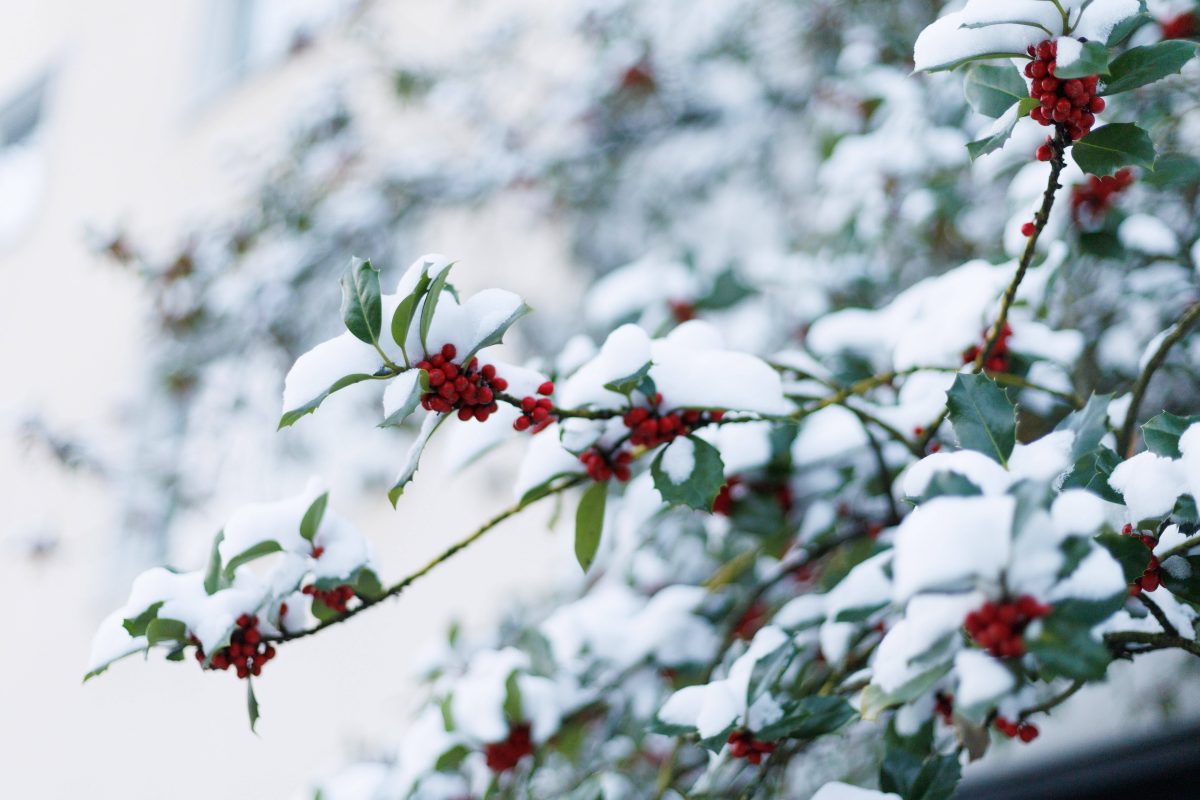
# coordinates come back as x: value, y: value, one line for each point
x: 1057, y: 162
x: 1185, y: 323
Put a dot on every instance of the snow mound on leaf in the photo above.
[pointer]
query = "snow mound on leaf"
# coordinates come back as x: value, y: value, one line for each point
x: 948, y: 541
x: 1149, y: 483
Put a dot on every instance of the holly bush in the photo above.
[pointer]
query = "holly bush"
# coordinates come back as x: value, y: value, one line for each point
x: 865, y: 482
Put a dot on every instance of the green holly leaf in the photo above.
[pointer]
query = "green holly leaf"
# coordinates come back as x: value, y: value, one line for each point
x: 1130, y: 553
x: 406, y: 309
x: 428, y: 427
x: 1162, y: 433
x: 1089, y: 423
x: 627, y: 384
x: 1064, y: 647
x: 1093, y: 60
x: 496, y: 336
x: 251, y: 704
x: 1092, y: 472
x: 984, y: 419
x: 1119, y: 144
x: 1172, y: 169
x: 212, y: 573
x: 1181, y: 575
x: 996, y: 137
x: 165, y: 630
x: 362, y: 310
x: 699, y: 488
x: 589, y: 523
x: 290, y: 417
x: 413, y: 384
x: 430, y: 305
x: 1140, y: 66
x: 311, y: 522
x: 727, y: 291
x: 136, y: 626
x: 809, y: 718
x: 948, y: 484
x: 991, y: 90
x: 263, y: 548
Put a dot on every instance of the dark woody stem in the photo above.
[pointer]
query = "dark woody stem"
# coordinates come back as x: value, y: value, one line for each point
x: 1058, y: 146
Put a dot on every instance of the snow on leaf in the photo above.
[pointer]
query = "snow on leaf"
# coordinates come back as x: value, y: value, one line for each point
x: 970, y: 535
x: 402, y: 395
x: 688, y: 472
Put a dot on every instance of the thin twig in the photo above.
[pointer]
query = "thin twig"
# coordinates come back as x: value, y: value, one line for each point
x: 1185, y: 323
x: 412, y: 578
x: 1057, y: 162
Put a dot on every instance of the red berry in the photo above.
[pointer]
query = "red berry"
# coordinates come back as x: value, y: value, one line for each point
x: 546, y: 388
x: 1028, y: 229
x: 1045, y: 153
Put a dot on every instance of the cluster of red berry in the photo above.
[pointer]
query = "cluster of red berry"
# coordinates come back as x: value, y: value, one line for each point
x: 1024, y: 731
x: 1091, y: 199
x: 1151, y: 578
x: 650, y: 428
x: 997, y: 627
x: 503, y: 756
x: 754, y: 618
x: 682, y: 311
x: 535, y: 411
x: 943, y: 706
x: 743, y: 745
x: 336, y: 598
x: 470, y: 389
x: 246, y: 653
x: 736, y: 488
x: 1069, y: 102
x: 1182, y: 26
x: 601, y: 466
x: 998, y: 359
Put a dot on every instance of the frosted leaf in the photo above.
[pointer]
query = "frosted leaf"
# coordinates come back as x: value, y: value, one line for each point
x: 947, y: 43
x: 430, y: 264
x: 1044, y: 458
x: 929, y: 620
x: 1170, y: 538
x: 624, y: 352
x: 1147, y: 234
x: 950, y: 541
x: 829, y: 433
x: 1078, y: 512
x: 324, y: 365
x: 984, y: 472
x: 399, y: 392
x: 711, y: 708
x: 1149, y: 483
x: 112, y: 642
x: 1098, y: 577
x: 465, y: 326
x: 981, y: 679
x: 477, y: 705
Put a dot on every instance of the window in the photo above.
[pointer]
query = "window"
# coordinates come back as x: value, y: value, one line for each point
x: 22, y: 161
x: 249, y: 35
